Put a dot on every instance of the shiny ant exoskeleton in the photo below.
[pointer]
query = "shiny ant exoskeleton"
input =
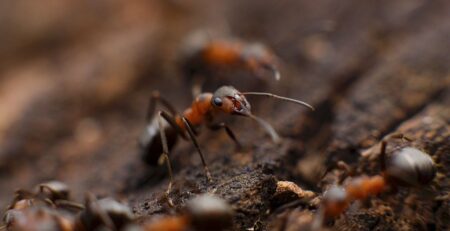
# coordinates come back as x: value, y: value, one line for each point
x: 205, y: 58
x: 203, y: 213
x: 407, y: 166
x: 156, y: 143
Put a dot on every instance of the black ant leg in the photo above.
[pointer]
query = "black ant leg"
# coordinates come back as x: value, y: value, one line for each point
x: 154, y: 99
x: 194, y: 141
x: 165, y: 154
x: 93, y: 207
x: 346, y: 171
x: 172, y: 123
x: 229, y: 133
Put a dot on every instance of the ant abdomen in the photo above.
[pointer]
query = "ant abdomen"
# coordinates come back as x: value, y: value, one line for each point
x: 150, y: 142
x: 410, y: 167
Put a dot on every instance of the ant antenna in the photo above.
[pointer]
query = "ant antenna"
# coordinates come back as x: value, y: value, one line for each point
x: 275, y: 137
x: 280, y: 97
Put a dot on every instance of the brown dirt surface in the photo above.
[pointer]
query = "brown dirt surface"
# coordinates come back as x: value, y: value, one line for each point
x: 75, y: 79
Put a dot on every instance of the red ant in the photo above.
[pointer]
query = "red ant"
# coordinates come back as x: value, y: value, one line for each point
x: 407, y: 166
x: 226, y: 100
x: 204, y: 57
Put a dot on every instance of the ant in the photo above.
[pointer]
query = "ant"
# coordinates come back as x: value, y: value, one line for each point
x: 47, y: 207
x: 407, y: 166
x: 204, y: 57
x: 226, y: 100
x: 37, y: 218
x: 52, y: 193
x: 103, y: 214
x: 204, y: 212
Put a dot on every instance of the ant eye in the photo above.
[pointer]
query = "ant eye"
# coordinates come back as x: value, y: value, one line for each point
x: 217, y: 102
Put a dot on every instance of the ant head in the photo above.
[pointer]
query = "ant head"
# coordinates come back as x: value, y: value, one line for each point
x: 411, y: 167
x: 231, y: 101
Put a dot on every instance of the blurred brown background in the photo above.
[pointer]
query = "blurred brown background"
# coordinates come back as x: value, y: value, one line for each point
x: 75, y: 77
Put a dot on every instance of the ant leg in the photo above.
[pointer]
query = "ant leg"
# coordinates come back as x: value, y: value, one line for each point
x: 172, y: 123
x: 383, y: 155
x: 346, y: 171
x: 69, y: 205
x: 194, y: 141
x: 165, y: 155
x: 229, y: 133
x: 398, y: 135
x: 154, y: 99
x: 93, y: 207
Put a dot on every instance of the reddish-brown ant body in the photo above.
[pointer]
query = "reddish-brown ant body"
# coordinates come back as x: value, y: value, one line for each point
x: 225, y: 100
x: 204, y: 58
x: 406, y: 166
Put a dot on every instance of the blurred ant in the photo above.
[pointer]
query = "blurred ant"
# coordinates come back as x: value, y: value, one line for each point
x: 203, y: 213
x: 52, y: 194
x: 204, y: 57
x: 407, y: 166
x: 226, y: 100
x: 103, y: 214
x: 39, y: 218
x: 47, y: 208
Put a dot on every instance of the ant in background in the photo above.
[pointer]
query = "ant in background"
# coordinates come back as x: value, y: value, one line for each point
x: 203, y: 213
x: 407, y: 166
x: 48, y: 208
x: 204, y: 109
x: 203, y: 59
x: 103, y: 214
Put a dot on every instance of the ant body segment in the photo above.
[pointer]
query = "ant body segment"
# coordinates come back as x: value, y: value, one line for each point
x: 407, y: 166
x: 225, y: 100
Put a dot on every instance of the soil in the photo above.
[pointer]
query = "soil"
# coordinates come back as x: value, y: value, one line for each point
x: 75, y: 79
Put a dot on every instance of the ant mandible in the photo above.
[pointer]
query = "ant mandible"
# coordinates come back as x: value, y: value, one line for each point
x: 206, y: 106
x: 406, y: 166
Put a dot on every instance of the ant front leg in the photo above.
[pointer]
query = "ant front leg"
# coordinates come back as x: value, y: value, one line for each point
x: 194, y: 141
x: 230, y: 133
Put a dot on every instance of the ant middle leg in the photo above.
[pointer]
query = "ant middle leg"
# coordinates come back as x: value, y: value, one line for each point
x: 165, y: 154
x: 194, y: 141
x: 230, y: 133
